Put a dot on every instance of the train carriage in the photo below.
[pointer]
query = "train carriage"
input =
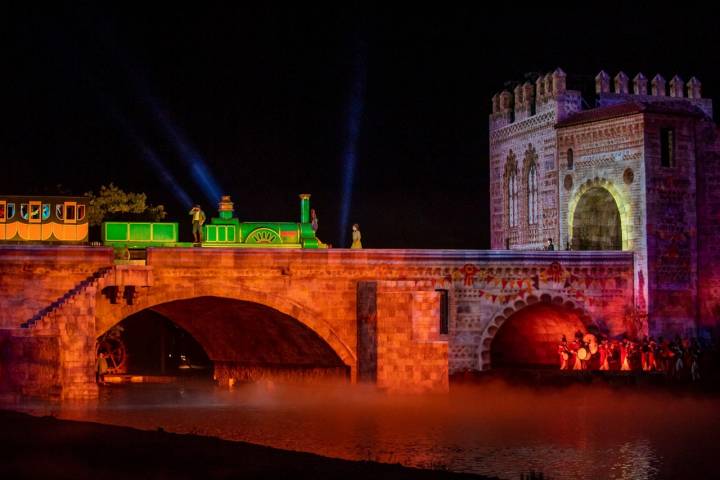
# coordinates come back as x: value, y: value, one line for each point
x: 43, y: 219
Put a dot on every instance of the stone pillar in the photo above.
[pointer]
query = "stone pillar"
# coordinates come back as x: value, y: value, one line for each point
x: 693, y: 88
x: 602, y: 82
x: 658, y: 85
x: 548, y: 85
x: 506, y: 99
x: 676, y: 87
x: 76, y: 326
x: 367, y: 332
x: 621, y: 83
x: 496, y: 103
x: 528, y: 96
x: 558, y: 81
x: 519, y: 102
x: 640, y: 84
x: 540, y: 90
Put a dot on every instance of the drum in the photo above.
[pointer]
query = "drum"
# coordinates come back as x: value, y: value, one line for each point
x: 589, y: 338
x: 593, y: 348
x: 582, y: 354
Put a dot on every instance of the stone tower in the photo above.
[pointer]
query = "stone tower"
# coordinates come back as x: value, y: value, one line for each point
x: 638, y: 172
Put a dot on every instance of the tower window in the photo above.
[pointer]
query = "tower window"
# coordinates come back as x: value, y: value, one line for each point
x: 532, y: 195
x: 511, y: 190
x: 444, y: 312
x: 667, y: 147
x: 570, y: 159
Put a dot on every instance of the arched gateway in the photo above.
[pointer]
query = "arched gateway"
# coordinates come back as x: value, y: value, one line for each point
x: 599, y: 217
x: 526, y: 334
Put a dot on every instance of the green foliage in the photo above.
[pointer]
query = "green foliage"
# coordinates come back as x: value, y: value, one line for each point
x: 112, y: 203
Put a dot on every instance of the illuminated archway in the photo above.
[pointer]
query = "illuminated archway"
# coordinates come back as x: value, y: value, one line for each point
x: 596, y: 222
x: 312, y: 319
x: 622, y: 204
x: 247, y: 340
x: 526, y: 333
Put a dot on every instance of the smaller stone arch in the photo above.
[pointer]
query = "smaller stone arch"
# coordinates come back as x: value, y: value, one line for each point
x: 623, y: 205
x: 550, y: 299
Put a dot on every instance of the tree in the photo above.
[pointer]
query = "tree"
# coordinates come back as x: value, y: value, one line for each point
x: 112, y: 203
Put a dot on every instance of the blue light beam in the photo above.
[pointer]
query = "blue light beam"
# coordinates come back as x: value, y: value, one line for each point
x: 200, y: 171
x: 354, y: 122
x: 148, y: 153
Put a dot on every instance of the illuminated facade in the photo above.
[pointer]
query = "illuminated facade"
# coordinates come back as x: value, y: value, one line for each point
x: 638, y: 173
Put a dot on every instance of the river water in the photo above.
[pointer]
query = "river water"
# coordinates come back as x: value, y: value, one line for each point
x: 584, y: 431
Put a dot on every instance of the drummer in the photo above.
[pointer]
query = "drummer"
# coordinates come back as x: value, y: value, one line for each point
x: 575, y: 347
x: 591, y: 346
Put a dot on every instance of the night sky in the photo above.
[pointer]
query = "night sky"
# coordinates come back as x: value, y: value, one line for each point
x: 264, y: 96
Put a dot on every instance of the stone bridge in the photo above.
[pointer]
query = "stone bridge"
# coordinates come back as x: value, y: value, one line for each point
x: 404, y: 320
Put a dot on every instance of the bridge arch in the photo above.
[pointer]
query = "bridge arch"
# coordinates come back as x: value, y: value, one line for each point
x: 603, y: 195
x: 573, y: 315
x: 156, y: 297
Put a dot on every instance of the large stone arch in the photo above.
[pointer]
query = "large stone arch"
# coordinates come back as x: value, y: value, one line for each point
x: 504, y: 313
x: 106, y: 318
x: 623, y: 207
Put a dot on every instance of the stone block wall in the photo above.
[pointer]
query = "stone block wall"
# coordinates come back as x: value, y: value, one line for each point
x: 409, y: 357
x: 708, y: 233
x: 608, y: 155
x: 32, y: 277
x: 671, y: 227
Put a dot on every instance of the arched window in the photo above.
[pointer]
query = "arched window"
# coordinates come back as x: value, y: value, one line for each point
x: 513, y: 199
x: 532, y: 189
x: 531, y: 184
x: 511, y: 190
x: 570, y: 159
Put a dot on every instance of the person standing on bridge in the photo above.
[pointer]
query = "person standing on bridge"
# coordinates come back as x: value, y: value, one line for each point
x: 356, y: 236
x: 313, y: 220
x: 198, y: 218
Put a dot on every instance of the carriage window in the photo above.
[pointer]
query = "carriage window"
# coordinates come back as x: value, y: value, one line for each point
x: 35, y: 211
x: 2, y: 212
x: 70, y: 212
x: 45, y: 211
x: 10, y: 210
x: 80, y: 212
x: 59, y: 211
x: 24, y: 211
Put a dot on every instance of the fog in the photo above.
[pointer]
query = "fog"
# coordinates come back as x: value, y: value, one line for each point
x: 585, y: 431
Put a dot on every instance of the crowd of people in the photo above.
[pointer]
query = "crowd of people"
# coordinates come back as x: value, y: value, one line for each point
x: 679, y: 357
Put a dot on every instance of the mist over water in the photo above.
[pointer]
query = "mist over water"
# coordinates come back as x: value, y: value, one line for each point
x: 584, y: 431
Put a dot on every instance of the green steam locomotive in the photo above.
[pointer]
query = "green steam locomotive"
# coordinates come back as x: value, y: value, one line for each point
x: 222, y: 231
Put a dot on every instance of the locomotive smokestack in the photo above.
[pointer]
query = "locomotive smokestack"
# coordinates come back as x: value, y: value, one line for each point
x: 304, y: 208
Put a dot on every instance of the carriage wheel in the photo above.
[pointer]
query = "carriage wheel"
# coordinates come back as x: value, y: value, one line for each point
x: 116, y: 354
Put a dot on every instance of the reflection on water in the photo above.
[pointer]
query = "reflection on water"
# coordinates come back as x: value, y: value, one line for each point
x: 579, y: 432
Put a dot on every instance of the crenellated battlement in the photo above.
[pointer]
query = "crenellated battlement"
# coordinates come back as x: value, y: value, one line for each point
x: 549, y: 92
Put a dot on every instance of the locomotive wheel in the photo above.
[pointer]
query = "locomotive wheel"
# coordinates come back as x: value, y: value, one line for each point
x: 263, y: 235
x: 115, y: 352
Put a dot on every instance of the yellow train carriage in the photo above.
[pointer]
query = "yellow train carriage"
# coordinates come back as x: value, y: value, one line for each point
x: 41, y: 219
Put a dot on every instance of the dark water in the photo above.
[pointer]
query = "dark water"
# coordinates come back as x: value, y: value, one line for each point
x: 588, y: 432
